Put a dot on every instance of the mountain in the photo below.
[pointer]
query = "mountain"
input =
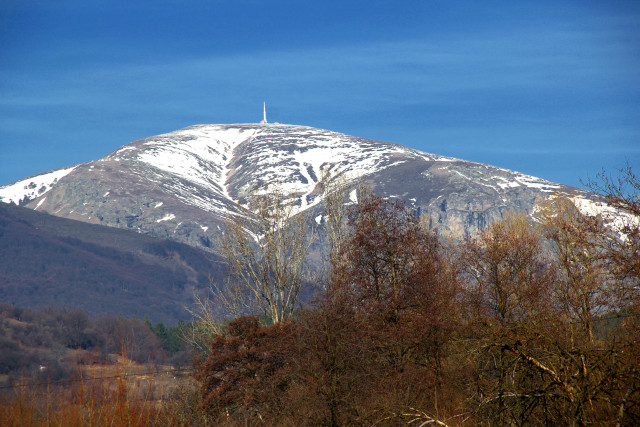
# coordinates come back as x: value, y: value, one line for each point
x: 47, y: 260
x: 182, y: 185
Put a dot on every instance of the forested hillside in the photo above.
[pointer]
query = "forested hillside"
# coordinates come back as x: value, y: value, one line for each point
x: 47, y: 260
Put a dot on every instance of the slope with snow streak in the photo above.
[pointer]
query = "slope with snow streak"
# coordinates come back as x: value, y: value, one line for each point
x: 184, y: 184
x: 196, y: 156
x: 295, y: 158
x: 32, y: 187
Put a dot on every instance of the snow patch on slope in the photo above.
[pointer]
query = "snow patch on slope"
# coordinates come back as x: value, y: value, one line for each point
x: 167, y: 217
x: 32, y: 187
x: 187, y: 152
x: 533, y: 182
x: 616, y: 219
x: 296, y: 157
x: 40, y: 202
x: 198, y: 156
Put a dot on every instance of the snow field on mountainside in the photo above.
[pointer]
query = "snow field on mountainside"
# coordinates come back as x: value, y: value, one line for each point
x: 312, y: 153
x: 200, y: 167
x: 616, y: 219
x: 533, y: 182
x: 33, y: 186
x: 198, y: 155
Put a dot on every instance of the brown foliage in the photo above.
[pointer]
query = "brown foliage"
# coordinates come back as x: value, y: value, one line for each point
x: 504, y: 330
x: 509, y: 275
x: 377, y: 341
x: 246, y: 373
x: 110, y: 396
x: 575, y: 365
x: 394, y: 279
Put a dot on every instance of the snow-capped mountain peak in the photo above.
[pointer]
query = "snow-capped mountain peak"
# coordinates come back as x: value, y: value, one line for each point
x: 183, y: 184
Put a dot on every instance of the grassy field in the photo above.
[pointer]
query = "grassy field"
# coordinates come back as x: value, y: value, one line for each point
x: 117, y: 394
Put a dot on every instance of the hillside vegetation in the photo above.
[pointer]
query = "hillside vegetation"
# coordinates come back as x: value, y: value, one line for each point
x: 47, y: 344
x: 47, y: 260
x: 527, y: 324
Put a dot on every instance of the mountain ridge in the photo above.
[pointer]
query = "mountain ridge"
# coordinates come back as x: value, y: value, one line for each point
x: 184, y: 184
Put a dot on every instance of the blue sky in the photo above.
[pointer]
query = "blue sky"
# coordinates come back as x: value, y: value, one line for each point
x: 548, y: 88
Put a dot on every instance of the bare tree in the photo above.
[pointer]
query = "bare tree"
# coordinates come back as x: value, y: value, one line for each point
x: 206, y: 325
x: 577, y: 364
x: 623, y: 245
x: 622, y: 192
x: 584, y: 288
x: 336, y: 188
x: 509, y: 271
x: 266, y: 255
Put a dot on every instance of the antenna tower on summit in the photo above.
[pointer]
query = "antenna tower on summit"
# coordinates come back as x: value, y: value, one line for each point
x: 264, y: 113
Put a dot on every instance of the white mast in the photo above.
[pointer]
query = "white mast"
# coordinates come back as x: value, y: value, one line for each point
x: 264, y: 113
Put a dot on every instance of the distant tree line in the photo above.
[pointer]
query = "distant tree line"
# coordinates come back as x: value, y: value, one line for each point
x: 38, y: 343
